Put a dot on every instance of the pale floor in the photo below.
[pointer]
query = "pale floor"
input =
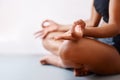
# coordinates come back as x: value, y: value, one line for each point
x: 27, y: 67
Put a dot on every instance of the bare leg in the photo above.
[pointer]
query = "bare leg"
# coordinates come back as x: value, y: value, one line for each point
x: 53, y: 46
x: 53, y: 60
x: 56, y: 61
x: 100, y: 58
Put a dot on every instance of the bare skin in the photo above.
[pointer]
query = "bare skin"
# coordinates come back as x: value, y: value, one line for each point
x: 72, y: 48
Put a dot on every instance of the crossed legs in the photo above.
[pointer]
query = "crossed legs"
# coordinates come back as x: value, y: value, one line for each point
x: 95, y: 56
x: 98, y: 57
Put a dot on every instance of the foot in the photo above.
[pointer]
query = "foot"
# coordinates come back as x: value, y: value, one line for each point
x: 44, y: 60
x: 83, y: 71
x: 52, y: 60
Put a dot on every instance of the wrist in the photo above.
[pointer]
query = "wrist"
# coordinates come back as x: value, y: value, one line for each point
x: 85, y: 32
x: 64, y: 28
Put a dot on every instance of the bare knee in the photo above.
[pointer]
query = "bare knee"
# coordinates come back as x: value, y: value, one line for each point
x: 45, y: 43
x: 66, y: 49
x: 67, y: 53
x: 72, y: 49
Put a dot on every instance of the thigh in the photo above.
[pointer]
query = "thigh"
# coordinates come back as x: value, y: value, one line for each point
x: 100, y: 58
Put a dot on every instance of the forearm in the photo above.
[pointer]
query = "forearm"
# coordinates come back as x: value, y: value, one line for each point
x: 65, y: 28
x: 106, y: 30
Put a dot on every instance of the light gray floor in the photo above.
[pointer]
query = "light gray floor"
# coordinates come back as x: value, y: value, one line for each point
x: 27, y: 67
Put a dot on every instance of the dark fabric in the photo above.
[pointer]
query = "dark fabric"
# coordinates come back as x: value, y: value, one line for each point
x: 102, y: 7
x: 116, y: 41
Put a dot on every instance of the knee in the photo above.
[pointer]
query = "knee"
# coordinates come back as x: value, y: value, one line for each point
x: 67, y: 50
x: 48, y: 46
x: 64, y: 53
x: 49, y: 40
x: 44, y: 43
x: 68, y: 53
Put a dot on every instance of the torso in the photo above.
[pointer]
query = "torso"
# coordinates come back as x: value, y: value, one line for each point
x: 102, y: 7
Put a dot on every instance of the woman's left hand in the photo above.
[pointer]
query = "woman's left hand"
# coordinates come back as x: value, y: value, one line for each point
x: 75, y: 33
x: 48, y: 26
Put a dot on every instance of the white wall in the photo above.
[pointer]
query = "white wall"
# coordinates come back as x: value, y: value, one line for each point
x: 19, y: 19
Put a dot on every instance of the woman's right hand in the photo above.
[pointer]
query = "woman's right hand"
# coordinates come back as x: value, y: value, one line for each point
x: 75, y: 33
x: 47, y: 27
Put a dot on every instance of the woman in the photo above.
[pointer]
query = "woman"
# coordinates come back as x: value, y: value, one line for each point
x: 76, y: 46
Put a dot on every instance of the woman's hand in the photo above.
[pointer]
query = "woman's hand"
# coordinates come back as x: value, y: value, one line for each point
x: 47, y: 27
x: 75, y: 33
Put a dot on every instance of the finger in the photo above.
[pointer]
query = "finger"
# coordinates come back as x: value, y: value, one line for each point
x: 46, y: 23
x: 72, y: 30
x: 79, y: 27
x: 38, y: 32
x: 64, y: 37
x: 39, y: 35
x: 75, y: 31
x: 44, y: 34
x: 81, y: 22
x: 79, y: 31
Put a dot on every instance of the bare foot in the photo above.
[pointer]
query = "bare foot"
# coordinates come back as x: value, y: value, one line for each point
x: 83, y: 71
x: 52, y: 60
x: 44, y: 60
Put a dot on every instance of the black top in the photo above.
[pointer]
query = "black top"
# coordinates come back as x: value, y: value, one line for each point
x: 102, y: 7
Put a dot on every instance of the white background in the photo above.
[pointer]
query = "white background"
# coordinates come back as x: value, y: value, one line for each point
x: 19, y: 19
